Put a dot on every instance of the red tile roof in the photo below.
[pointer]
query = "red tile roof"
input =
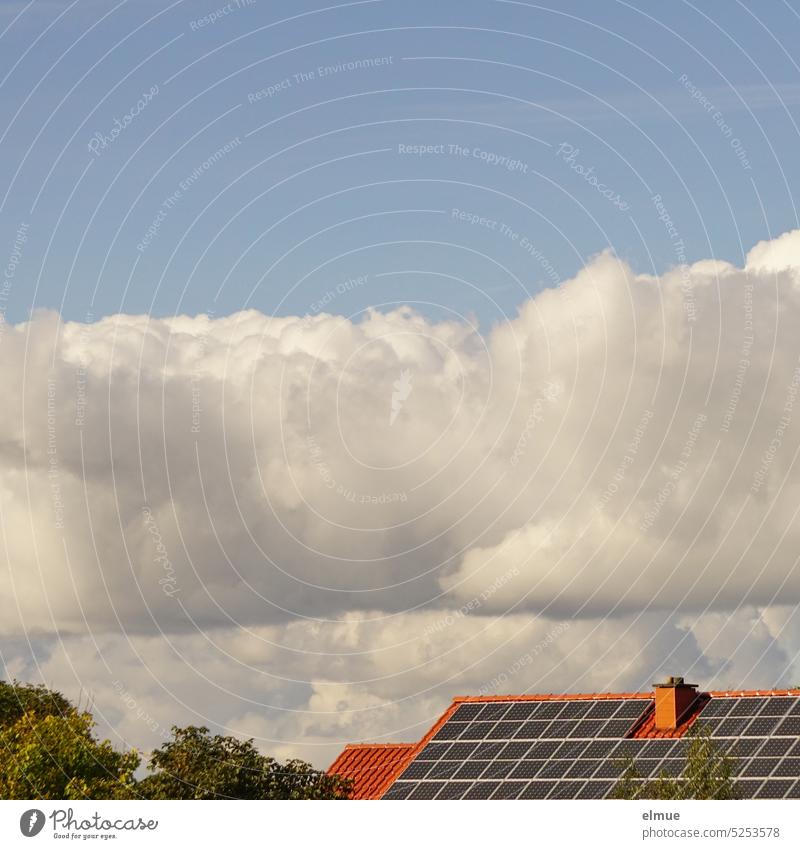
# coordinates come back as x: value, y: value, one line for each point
x: 372, y: 767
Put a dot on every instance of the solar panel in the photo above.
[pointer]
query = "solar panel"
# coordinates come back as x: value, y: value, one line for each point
x: 433, y: 751
x: 648, y: 767
x: 603, y: 710
x: 615, y: 728
x: 550, y: 710
x: 426, y: 790
x: 449, y: 731
x: 748, y: 788
x: 794, y: 791
x: 732, y: 727
x: 481, y: 790
x: 598, y: 749
x: 587, y: 728
x: 570, y: 749
x: 454, y: 789
x: 746, y: 748
x: 747, y: 707
x: 789, y: 767
x: 717, y: 707
x: 658, y: 748
x: 399, y: 790
x: 474, y: 731
x: 543, y: 749
x: 776, y: 747
x: 582, y: 769
x: 471, y: 769
x: 558, y: 728
x: 503, y: 730
x: 498, y: 769
x: 759, y: 766
x: 565, y: 790
x: 762, y: 726
x: 464, y: 713
x: 632, y: 709
x: 514, y: 750
x: 554, y: 769
x: 790, y: 725
x: 493, y: 711
x: 527, y: 769
x: 778, y: 706
x: 509, y: 790
x: 595, y: 789
x: 531, y: 730
x: 537, y: 790
x: 628, y: 748
x: 444, y: 769
x: 610, y: 769
x: 487, y: 751
x: 774, y: 789
x: 795, y: 709
x: 522, y: 710
x: 575, y: 710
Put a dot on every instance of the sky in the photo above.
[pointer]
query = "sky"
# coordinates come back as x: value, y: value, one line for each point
x: 358, y: 356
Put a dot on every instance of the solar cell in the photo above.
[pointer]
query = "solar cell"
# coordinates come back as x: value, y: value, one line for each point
x: 565, y: 790
x: 494, y: 711
x: 795, y: 709
x: 599, y: 749
x: 400, y: 790
x: 658, y: 748
x: 778, y: 706
x: 509, y: 790
x: 775, y: 747
x: 481, y: 790
x: 433, y: 751
x: 487, y: 751
x: 774, y: 789
x: 632, y: 709
x: 582, y: 769
x: 522, y: 710
x: 426, y: 790
x: 732, y: 727
x: 570, y: 749
x: 648, y: 767
x: 543, y: 749
x: 628, y: 748
x: 603, y: 710
x: 762, y: 726
x: 587, y: 728
x: 575, y: 710
x: 610, y: 769
x: 747, y: 706
x: 449, y: 731
x: 471, y: 769
x: 503, y: 731
x: 790, y: 725
x: 672, y: 766
x: 759, y: 766
x: 514, y: 750
x: 531, y: 730
x: 454, y: 789
x: 443, y: 769
x: 746, y: 748
x: 550, y: 710
x: 717, y: 707
x: 527, y: 769
x: 464, y: 713
x: 554, y: 769
x: 615, y: 728
x: 795, y: 750
x: 537, y: 790
x: 789, y: 768
x: 794, y: 791
x: 475, y: 730
x: 558, y: 728
x: 748, y: 787
x: 415, y: 770
x: 710, y: 725
x: 498, y: 769
x: 595, y: 790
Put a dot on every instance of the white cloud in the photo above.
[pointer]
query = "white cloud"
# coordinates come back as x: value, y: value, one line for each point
x: 223, y: 514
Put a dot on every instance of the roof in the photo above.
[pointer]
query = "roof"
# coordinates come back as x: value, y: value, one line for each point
x: 372, y: 766
x: 558, y: 746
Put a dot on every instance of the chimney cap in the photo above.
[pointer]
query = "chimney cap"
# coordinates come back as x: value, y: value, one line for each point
x: 674, y: 681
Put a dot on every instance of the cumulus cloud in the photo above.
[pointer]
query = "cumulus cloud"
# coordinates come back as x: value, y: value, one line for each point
x: 312, y: 529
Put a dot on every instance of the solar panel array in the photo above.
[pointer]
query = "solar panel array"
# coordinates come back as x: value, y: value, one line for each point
x: 577, y: 749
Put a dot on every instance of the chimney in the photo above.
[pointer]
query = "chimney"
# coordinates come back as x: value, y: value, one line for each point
x: 673, y: 700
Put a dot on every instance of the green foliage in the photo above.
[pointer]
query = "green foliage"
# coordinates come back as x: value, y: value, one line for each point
x: 17, y: 699
x: 196, y: 765
x: 56, y: 757
x: 708, y: 774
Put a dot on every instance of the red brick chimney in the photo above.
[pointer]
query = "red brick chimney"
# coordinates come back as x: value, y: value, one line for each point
x: 673, y: 700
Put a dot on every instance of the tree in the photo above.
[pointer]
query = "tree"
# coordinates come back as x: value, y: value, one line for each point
x: 17, y: 699
x: 708, y: 774
x: 196, y: 765
x: 48, y: 756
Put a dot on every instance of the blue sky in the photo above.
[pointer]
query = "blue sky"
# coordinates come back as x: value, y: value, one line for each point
x: 695, y: 103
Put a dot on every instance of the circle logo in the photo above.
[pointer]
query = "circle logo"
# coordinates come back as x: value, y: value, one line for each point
x: 31, y: 822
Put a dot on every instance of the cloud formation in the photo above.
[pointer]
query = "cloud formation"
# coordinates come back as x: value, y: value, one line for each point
x: 244, y: 518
